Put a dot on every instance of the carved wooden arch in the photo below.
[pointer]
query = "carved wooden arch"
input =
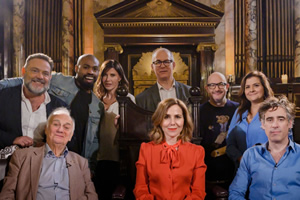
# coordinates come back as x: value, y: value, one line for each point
x: 140, y: 26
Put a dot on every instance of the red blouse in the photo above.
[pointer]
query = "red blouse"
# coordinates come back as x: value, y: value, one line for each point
x: 180, y: 176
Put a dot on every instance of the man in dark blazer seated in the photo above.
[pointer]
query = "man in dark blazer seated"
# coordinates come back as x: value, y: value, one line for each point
x: 166, y: 87
x: 50, y: 171
x: 25, y: 106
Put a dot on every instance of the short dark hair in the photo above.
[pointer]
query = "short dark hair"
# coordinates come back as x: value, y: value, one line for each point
x: 273, y: 103
x: 40, y: 56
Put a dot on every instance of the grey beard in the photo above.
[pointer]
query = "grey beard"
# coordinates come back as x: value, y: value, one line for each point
x: 36, y: 91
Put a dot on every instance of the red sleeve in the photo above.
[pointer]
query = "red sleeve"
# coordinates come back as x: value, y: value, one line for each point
x: 141, y: 190
x: 198, y: 181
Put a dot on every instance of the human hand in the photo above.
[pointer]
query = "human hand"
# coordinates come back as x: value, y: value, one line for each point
x: 116, y: 121
x: 23, y: 141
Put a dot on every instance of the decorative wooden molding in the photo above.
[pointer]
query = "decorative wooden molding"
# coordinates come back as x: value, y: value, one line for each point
x: 220, y: 6
x: 158, y: 35
x: 117, y: 47
x: 203, y: 46
x: 160, y: 24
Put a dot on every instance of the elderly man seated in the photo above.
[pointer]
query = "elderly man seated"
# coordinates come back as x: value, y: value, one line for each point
x: 50, y: 171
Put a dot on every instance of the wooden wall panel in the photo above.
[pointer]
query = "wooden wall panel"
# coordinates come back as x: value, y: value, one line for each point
x: 78, y: 28
x: 43, y: 29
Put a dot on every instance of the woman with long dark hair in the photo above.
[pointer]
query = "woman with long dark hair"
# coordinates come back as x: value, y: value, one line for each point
x: 111, y: 76
x: 255, y: 88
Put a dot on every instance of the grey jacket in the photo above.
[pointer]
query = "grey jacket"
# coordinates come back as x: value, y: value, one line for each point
x: 149, y: 99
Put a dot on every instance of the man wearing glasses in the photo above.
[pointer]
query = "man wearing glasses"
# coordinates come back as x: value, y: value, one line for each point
x: 215, y: 117
x: 166, y: 87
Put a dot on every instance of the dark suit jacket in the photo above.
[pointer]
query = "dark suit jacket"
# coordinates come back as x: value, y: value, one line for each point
x: 23, y: 176
x: 10, y: 113
x: 149, y: 99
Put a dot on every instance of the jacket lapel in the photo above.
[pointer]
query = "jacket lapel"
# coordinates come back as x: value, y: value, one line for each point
x: 35, y: 169
x: 16, y: 106
x: 178, y: 91
x: 72, y: 175
x: 155, y: 96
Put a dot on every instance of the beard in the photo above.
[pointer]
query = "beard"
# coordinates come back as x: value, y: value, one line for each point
x: 85, y: 85
x: 36, y: 90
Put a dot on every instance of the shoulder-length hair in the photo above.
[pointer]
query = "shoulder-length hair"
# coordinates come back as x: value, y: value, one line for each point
x: 99, y: 89
x: 245, y: 104
x: 157, y: 135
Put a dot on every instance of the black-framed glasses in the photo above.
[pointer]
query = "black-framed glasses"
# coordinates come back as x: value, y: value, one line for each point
x: 221, y: 85
x: 159, y: 62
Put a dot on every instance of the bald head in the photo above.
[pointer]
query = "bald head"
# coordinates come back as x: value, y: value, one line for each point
x: 216, y: 76
x: 87, y: 56
x: 216, y: 88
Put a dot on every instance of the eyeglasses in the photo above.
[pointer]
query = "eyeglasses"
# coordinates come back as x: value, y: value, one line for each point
x: 221, y: 85
x: 159, y: 62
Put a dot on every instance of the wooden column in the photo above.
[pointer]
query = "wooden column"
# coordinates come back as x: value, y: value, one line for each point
x: 206, y: 52
x: 112, y: 51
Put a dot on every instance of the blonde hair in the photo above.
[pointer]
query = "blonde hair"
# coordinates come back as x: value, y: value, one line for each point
x: 157, y: 134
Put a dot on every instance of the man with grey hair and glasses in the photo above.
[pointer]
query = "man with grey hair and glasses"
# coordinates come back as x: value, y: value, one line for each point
x: 163, y: 65
x: 271, y: 170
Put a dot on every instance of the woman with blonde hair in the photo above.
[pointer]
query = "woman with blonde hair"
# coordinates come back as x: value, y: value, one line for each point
x: 170, y: 167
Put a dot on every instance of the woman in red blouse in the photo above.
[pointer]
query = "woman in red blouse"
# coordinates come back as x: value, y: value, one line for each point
x: 170, y: 167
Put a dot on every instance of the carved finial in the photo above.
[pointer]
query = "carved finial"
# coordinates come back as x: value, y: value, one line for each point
x: 122, y: 91
x: 195, y: 91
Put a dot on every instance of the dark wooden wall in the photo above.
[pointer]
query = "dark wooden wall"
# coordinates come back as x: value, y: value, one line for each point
x: 6, y: 29
x: 43, y: 31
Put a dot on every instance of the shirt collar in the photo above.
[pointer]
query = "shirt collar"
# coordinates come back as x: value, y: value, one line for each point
x: 161, y: 87
x: 291, y: 146
x: 49, y: 152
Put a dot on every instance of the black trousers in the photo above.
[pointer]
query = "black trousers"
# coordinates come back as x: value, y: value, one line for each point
x: 107, y: 178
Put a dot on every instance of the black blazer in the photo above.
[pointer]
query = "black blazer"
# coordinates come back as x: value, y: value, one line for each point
x: 149, y: 99
x: 10, y: 113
